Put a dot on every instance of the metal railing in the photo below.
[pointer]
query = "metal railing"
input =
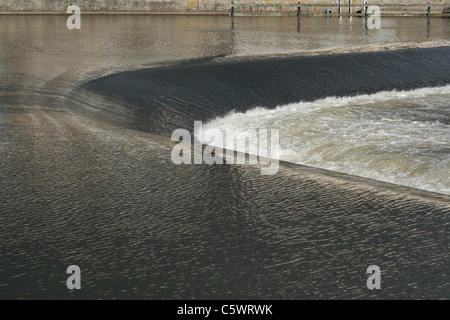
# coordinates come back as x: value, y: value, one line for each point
x: 364, y: 5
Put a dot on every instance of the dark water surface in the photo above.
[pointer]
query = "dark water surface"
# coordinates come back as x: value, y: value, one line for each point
x: 87, y: 179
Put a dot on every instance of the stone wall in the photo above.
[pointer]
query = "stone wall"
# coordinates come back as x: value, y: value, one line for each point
x: 199, y: 6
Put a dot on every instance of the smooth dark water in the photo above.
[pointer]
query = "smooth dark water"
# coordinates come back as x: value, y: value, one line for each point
x: 87, y: 178
x: 174, y: 97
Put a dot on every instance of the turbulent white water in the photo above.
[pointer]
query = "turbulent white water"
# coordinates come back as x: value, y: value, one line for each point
x: 401, y: 137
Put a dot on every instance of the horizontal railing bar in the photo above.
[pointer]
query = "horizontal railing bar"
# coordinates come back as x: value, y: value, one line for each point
x: 335, y: 5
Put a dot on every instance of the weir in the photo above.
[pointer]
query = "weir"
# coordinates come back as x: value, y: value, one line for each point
x: 87, y: 178
x: 215, y: 82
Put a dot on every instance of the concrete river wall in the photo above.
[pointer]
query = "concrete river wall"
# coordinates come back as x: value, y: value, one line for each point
x: 247, y: 7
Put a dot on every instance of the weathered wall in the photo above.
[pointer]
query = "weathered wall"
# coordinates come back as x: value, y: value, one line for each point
x: 116, y: 5
x: 190, y: 6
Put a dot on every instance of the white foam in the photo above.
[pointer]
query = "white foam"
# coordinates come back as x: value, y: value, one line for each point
x: 395, y: 136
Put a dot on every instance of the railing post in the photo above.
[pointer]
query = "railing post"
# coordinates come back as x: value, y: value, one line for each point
x: 298, y: 12
x: 232, y: 12
x: 429, y: 14
x: 366, y: 14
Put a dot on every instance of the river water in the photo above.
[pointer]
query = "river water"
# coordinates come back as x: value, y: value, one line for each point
x: 87, y: 178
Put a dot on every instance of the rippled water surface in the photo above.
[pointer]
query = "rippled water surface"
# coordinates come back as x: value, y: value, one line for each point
x: 86, y: 176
